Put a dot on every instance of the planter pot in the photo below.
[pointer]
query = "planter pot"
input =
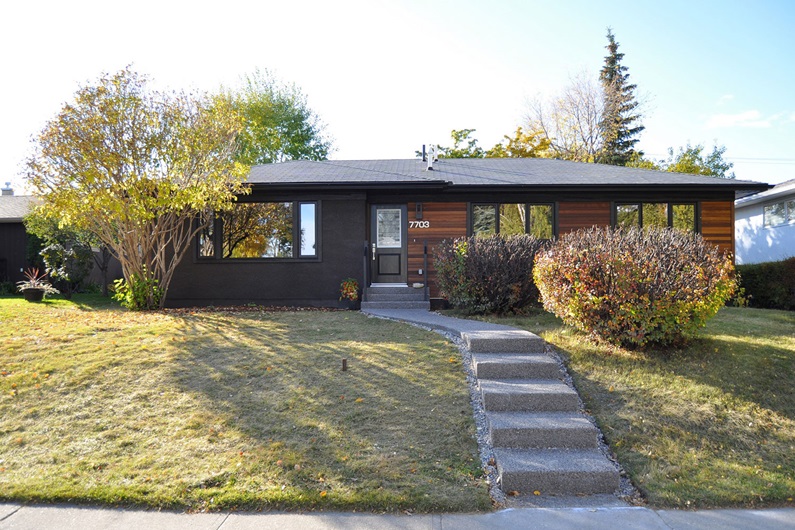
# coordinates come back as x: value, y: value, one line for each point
x: 353, y: 305
x: 33, y: 295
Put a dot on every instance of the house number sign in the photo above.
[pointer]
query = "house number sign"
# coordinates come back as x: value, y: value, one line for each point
x: 419, y: 224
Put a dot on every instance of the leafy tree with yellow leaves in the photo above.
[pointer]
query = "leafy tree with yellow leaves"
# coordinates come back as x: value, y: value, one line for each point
x: 136, y: 167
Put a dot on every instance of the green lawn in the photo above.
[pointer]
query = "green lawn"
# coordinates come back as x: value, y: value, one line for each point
x: 231, y: 410
x: 708, y: 425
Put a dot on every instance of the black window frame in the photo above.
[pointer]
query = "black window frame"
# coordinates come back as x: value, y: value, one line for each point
x: 296, y: 228
x: 669, y: 207
x: 496, y: 205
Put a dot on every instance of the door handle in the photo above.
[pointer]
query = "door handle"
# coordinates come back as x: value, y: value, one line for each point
x: 373, y: 251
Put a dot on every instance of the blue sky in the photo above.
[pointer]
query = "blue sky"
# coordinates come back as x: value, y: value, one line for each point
x: 386, y: 77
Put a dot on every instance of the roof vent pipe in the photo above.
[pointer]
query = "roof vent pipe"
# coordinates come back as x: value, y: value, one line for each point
x: 424, y: 156
x: 8, y: 190
x: 431, y: 156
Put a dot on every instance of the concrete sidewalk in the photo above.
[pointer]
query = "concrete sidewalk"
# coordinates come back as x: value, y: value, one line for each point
x: 13, y: 516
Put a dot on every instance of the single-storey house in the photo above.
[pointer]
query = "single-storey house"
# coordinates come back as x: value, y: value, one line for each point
x: 764, y: 228
x: 13, y: 238
x: 307, y: 225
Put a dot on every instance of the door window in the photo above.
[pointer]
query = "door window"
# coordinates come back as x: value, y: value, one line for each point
x: 388, y: 228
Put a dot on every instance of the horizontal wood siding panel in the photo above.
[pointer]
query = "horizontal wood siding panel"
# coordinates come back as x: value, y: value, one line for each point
x: 446, y: 220
x: 575, y: 215
x: 717, y: 224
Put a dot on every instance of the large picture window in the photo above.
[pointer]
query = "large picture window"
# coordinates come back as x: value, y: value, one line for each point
x: 656, y: 214
x: 263, y: 230
x: 509, y: 219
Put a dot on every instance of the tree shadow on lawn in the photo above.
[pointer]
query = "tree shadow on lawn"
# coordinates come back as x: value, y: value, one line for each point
x: 394, y: 431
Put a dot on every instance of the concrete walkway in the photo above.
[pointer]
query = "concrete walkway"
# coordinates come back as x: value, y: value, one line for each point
x: 436, y: 321
x: 18, y: 517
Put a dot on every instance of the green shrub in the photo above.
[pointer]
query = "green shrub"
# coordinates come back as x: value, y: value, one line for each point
x: 488, y: 274
x: 139, y: 293
x: 769, y: 285
x: 634, y: 287
x: 68, y: 262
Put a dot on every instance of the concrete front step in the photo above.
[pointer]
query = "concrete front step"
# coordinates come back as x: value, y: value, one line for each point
x: 503, y: 341
x: 397, y: 305
x: 396, y: 297
x: 529, y: 395
x: 556, y: 471
x: 542, y: 430
x: 515, y: 366
x: 393, y: 290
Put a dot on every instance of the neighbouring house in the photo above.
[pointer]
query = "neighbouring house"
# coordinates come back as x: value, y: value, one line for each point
x: 764, y: 227
x: 13, y: 238
x: 308, y: 225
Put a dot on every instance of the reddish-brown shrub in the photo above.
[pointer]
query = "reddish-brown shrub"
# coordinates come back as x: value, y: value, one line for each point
x: 634, y: 287
x: 488, y: 274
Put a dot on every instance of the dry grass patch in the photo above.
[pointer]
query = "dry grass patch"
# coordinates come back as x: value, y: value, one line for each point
x: 708, y: 425
x: 221, y: 410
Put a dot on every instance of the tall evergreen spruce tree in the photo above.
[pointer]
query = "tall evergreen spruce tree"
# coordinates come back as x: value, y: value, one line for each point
x: 620, y: 124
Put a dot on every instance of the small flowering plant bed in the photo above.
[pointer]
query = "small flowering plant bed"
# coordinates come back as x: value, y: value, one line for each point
x: 349, y: 290
x: 711, y: 424
x: 232, y: 410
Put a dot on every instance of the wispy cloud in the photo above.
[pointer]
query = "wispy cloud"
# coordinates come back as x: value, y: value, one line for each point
x: 748, y: 119
x: 724, y: 99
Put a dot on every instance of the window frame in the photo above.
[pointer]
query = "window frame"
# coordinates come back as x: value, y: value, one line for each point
x: 297, y: 256
x: 669, y: 207
x: 497, y: 204
x: 789, y: 213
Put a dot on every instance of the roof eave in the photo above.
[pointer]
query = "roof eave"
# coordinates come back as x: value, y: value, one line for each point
x: 741, y: 189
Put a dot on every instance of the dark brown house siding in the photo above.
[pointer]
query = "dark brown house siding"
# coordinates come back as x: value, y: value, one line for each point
x: 575, y: 215
x: 13, y: 244
x: 717, y: 224
x: 445, y: 220
x: 275, y: 282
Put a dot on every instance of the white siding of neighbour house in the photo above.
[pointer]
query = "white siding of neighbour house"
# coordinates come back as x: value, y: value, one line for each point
x: 755, y: 242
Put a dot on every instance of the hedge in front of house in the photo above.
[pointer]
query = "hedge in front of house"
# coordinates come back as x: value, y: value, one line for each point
x: 769, y: 285
x: 634, y: 287
x: 488, y: 274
